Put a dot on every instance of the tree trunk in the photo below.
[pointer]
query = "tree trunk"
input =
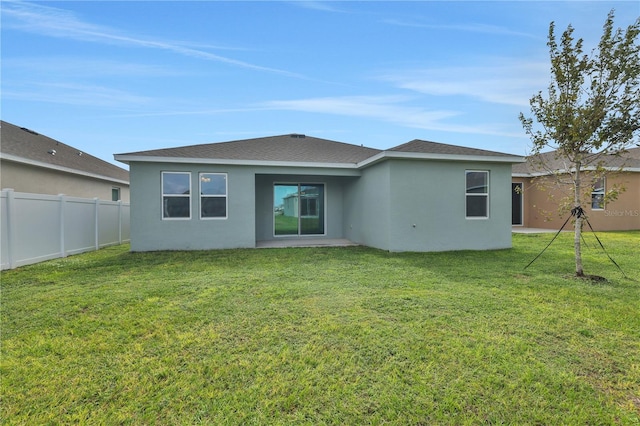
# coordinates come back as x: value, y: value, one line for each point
x: 576, y: 244
x: 577, y: 236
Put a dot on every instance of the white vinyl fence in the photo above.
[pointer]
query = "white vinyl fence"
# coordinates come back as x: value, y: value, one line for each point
x: 36, y: 227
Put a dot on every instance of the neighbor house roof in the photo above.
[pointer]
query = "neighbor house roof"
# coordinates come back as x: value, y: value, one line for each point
x: 300, y: 150
x: 25, y: 146
x: 628, y: 160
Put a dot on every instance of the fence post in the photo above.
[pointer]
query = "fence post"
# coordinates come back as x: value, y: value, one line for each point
x: 119, y: 221
x: 97, y: 222
x: 10, y: 227
x: 63, y: 243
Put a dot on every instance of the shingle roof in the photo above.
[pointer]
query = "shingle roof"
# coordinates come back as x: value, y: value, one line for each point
x: 290, y: 148
x: 28, y: 145
x: 301, y: 149
x: 629, y: 159
x: 427, y: 147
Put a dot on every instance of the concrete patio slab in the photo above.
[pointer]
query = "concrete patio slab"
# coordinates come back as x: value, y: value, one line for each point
x: 522, y: 230
x: 306, y: 242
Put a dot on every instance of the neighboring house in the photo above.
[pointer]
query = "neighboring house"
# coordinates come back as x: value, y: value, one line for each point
x: 34, y: 163
x: 535, y: 207
x: 419, y: 196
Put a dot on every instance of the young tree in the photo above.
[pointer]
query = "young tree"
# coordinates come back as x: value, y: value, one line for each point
x: 592, y: 109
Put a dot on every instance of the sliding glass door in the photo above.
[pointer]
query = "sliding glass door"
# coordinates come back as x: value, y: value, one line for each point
x: 298, y: 209
x: 311, y: 209
x: 285, y: 209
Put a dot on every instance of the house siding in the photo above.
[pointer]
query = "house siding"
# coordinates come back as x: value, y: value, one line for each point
x: 429, y: 213
x: 249, y: 206
x: 39, y: 180
x: 622, y: 214
x: 399, y: 201
x: 541, y: 207
x: 367, y: 207
x: 150, y: 232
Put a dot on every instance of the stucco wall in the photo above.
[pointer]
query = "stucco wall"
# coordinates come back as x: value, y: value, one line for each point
x: 367, y: 204
x: 150, y: 232
x: 541, y: 206
x: 429, y: 207
x: 378, y: 208
x: 38, y: 180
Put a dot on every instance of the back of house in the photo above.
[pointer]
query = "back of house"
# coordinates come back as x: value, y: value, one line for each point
x: 418, y: 196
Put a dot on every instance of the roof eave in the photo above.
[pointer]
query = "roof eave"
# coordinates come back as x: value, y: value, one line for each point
x: 127, y: 159
x: 512, y: 159
x: 382, y: 156
x: 565, y: 171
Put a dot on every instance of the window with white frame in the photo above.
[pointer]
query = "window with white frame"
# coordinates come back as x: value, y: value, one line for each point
x: 213, y: 195
x: 115, y: 194
x: 176, y: 195
x: 477, y: 194
x: 597, y: 194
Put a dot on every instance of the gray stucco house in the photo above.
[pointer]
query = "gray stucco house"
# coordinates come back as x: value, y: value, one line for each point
x: 419, y: 196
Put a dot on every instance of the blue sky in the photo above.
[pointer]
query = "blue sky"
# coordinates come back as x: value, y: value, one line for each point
x: 115, y: 77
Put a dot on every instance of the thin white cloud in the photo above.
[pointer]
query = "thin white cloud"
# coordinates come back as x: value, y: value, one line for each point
x: 56, y: 22
x: 73, y: 66
x: 387, y: 108
x: 382, y: 107
x: 392, y: 109
x: 323, y: 6
x: 190, y: 112
x: 508, y: 83
x: 471, y: 28
x: 78, y: 95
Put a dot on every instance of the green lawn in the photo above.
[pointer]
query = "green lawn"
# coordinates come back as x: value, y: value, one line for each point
x: 325, y: 336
